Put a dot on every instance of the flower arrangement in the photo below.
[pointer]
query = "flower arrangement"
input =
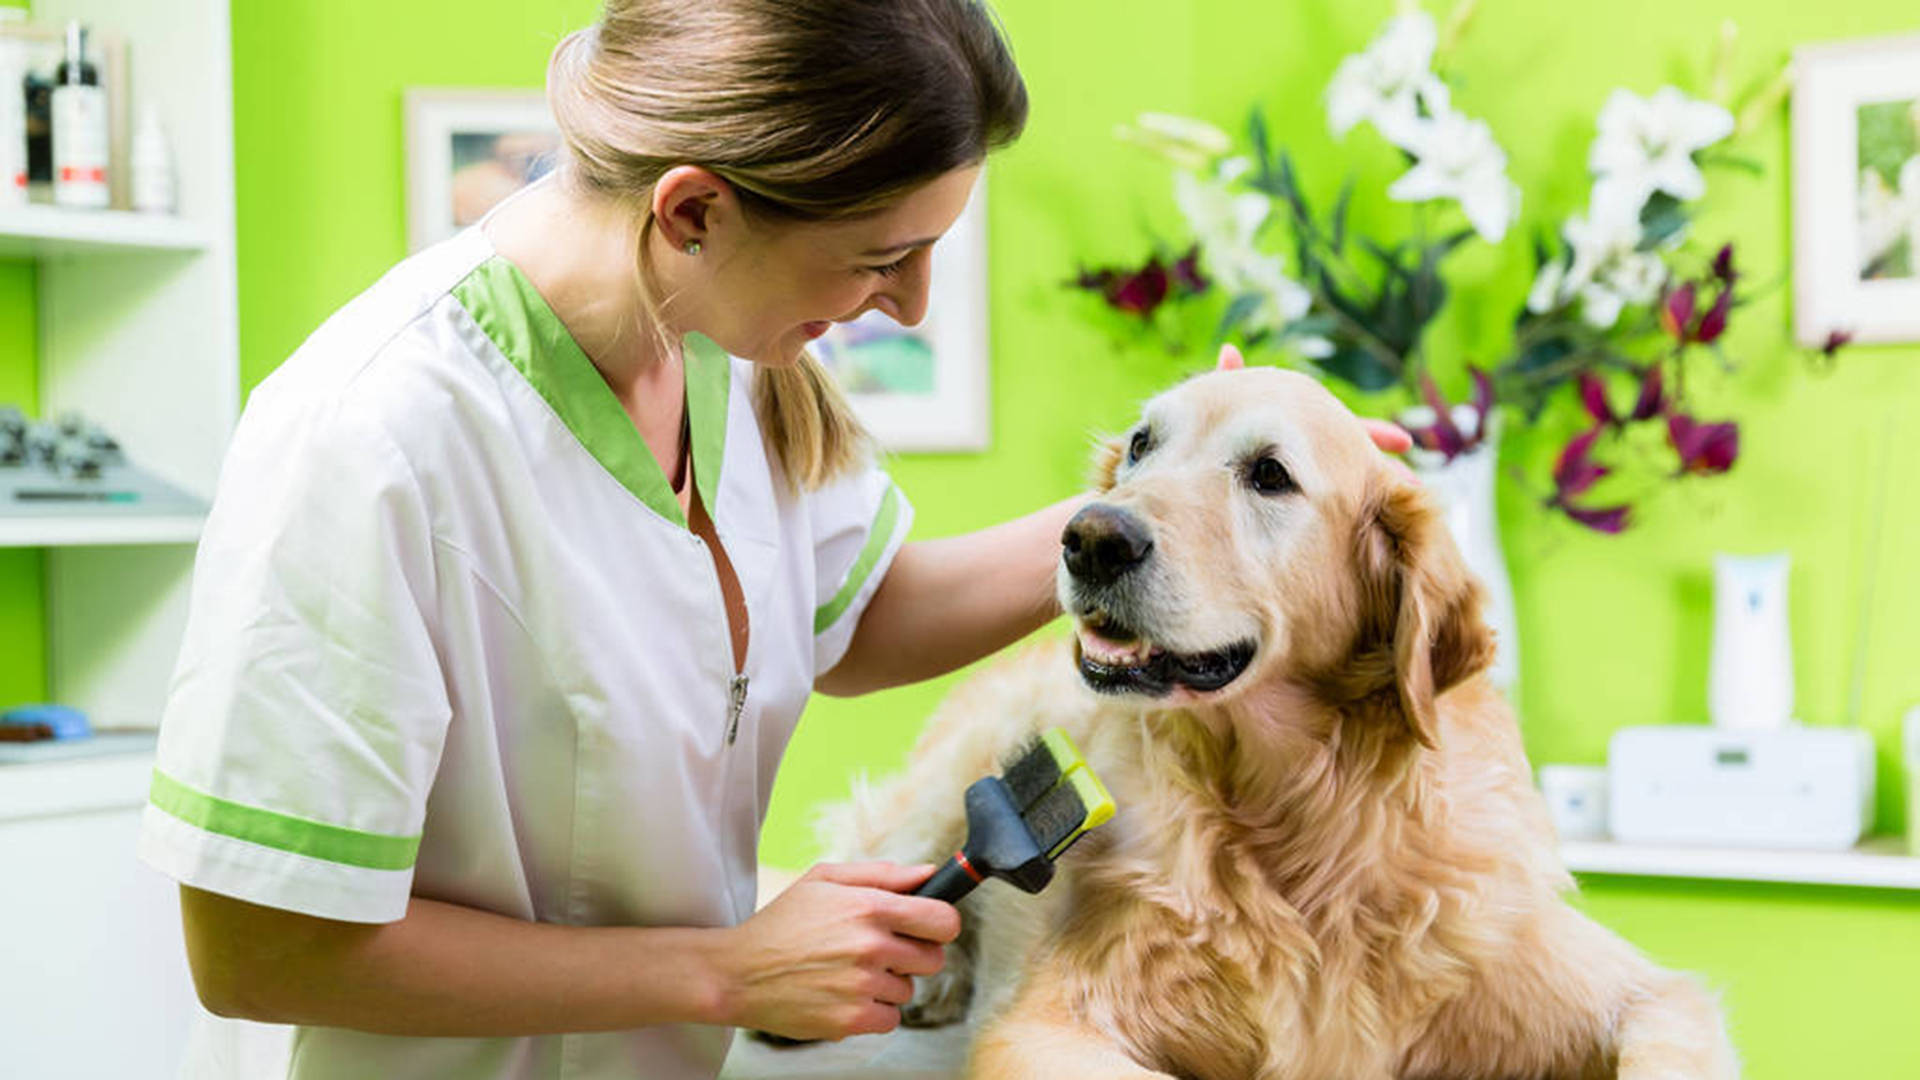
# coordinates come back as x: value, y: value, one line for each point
x: 1622, y: 303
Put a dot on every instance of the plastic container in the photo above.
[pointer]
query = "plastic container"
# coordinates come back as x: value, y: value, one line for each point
x: 154, y: 191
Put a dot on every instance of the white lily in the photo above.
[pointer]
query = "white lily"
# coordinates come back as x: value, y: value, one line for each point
x: 1608, y: 269
x: 1244, y: 272
x: 1459, y: 159
x: 1390, y: 82
x: 1889, y: 212
x: 1190, y: 144
x: 1647, y: 144
x: 1219, y: 216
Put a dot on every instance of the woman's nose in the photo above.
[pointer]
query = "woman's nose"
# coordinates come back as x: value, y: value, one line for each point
x: 904, y: 299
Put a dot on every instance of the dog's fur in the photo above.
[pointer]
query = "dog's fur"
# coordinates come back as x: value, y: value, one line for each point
x: 1334, y: 867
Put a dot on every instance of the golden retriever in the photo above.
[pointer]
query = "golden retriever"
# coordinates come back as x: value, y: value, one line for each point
x: 1329, y: 862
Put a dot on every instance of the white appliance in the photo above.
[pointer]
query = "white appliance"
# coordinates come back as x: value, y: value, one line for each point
x: 1750, y: 680
x: 1790, y: 788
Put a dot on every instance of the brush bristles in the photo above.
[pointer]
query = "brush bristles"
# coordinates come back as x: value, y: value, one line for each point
x: 1031, y: 774
x: 1055, y: 818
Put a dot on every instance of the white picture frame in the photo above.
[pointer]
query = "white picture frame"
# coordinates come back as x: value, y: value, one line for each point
x: 466, y: 150
x: 1856, y: 210
x: 925, y: 388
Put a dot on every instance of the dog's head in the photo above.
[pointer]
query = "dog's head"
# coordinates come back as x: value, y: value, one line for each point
x: 1246, y: 532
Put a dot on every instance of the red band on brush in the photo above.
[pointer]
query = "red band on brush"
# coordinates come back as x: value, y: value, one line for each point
x: 961, y: 858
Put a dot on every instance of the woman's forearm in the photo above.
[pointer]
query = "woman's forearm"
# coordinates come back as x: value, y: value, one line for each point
x: 946, y: 603
x: 448, y: 970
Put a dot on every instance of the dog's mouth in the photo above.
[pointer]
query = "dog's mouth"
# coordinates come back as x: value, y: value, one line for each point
x: 1115, y: 659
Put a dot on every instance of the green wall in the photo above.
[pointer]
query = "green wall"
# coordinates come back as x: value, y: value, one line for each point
x: 1614, y: 631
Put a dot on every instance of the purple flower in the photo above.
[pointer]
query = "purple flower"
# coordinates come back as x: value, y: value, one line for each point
x: 1714, y: 322
x: 1186, y: 273
x: 1653, y: 396
x: 1835, y: 340
x: 1593, y: 394
x: 1704, y: 449
x: 1676, y: 312
x: 1573, y: 474
x: 1611, y: 520
x: 1723, y: 270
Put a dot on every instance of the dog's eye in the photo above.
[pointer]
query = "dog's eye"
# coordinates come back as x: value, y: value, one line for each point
x: 1269, y: 477
x: 1137, y: 449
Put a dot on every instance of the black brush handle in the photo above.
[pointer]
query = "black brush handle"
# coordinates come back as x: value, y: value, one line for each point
x: 949, y: 883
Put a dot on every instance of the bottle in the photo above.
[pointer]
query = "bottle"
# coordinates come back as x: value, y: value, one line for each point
x: 152, y: 164
x: 79, y: 128
x: 13, y: 109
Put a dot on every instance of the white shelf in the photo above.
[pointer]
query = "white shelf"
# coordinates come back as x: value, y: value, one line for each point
x: 78, y: 785
x: 1880, y: 862
x: 99, y: 531
x: 36, y: 231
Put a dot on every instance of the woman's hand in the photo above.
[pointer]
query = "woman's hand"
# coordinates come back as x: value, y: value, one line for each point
x: 830, y: 956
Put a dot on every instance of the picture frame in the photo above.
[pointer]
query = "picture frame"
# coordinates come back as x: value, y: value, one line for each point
x: 925, y: 388
x: 1856, y: 190
x: 466, y: 150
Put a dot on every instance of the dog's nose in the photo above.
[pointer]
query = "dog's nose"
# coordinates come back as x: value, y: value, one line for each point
x: 1103, y: 542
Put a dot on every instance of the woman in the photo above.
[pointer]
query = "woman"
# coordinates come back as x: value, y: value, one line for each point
x: 523, y: 566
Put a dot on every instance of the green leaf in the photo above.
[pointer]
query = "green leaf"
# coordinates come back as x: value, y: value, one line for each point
x: 1358, y: 366
x: 1661, y: 220
x: 1311, y: 326
x: 1257, y: 135
x: 1340, y: 215
x: 1389, y: 259
x: 1292, y: 195
x: 1236, y: 313
x: 1730, y: 160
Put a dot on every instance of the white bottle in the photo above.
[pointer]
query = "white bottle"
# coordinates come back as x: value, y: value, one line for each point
x: 13, y: 109
x: 152, y: 164
x: 1750, y: 681
x: 79, y: 129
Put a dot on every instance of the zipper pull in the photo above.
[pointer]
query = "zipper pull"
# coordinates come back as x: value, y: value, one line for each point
x: 736, y: 704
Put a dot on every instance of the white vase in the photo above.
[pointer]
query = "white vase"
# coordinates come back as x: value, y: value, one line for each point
x: 1464, y: 490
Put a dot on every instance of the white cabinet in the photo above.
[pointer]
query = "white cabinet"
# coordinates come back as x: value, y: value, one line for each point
x: 138, y: 331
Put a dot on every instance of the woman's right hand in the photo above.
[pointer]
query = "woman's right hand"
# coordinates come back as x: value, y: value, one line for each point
x: 830, y: 956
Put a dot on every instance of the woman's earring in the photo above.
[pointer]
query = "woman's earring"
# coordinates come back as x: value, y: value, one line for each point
x: 692, y: 247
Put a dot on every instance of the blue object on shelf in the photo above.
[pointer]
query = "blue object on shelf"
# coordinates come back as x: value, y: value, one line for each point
x: 65, y: 721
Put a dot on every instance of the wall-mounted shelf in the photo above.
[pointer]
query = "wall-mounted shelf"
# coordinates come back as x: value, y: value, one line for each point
x: 42, y: 231
x: 96, y: 531
x: 1880, y: 862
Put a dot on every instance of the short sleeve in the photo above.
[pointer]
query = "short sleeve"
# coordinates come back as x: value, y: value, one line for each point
x: 305, y: 721
x: 859, y: 524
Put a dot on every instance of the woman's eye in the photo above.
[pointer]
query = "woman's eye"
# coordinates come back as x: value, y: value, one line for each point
x: 893, y: 268
x: 1269, y: 477
x: 1137, y: 449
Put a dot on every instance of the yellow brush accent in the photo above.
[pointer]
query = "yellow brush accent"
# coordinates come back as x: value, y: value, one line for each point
x: 1093, y: 796
x: 1065, y: 754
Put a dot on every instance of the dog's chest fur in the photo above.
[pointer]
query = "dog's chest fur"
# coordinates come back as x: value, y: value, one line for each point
x: 1251, y: 948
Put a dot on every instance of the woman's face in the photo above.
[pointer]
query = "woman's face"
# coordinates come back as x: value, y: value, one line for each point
x: 784, y: 285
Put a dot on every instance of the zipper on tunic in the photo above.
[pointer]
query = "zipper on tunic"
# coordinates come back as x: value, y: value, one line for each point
x: 736, y: 704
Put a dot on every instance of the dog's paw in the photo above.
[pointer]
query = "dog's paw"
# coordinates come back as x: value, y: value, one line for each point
x: 943, y: 998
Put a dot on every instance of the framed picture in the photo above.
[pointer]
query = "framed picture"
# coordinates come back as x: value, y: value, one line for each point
x: 467, y: 150
x: 1856, y: 190
x: 925, y: 387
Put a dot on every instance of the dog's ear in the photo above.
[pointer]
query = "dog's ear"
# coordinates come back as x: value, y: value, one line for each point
x: 1421, y: 602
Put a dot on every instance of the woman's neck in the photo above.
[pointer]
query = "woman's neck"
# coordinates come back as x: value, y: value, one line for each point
x: 579, y: 252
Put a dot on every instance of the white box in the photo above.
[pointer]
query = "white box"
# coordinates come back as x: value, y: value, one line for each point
x: 1791, y: 788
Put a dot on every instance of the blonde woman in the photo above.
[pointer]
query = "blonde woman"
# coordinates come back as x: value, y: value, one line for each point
x: 522, y: 568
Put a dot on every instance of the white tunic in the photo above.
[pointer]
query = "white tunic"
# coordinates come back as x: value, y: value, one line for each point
x: 451, y: 637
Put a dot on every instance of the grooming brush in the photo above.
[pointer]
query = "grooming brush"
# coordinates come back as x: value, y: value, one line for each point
x: 1018, y: 823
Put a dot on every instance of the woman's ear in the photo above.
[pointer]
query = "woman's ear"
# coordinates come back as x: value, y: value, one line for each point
x: 1423, y: 600
x: 688, y: 202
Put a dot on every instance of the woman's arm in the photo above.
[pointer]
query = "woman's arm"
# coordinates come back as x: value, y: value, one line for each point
x: 946, y: 603
x: 825, y: 959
